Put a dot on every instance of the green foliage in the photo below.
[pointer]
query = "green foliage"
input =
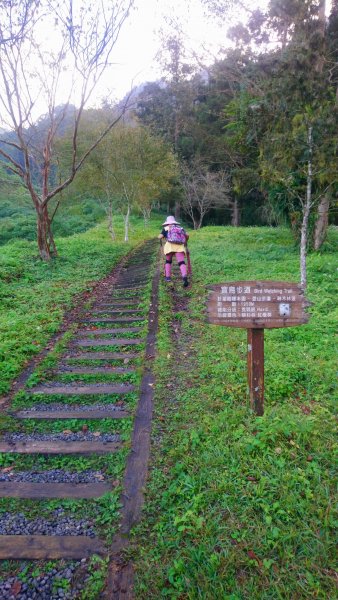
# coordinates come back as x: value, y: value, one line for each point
x: 34, y: 295
x: 130, y: 168
x: 18, y: 217
x: 248, y: 116
x: 97, y: 575
x: 240, y: 506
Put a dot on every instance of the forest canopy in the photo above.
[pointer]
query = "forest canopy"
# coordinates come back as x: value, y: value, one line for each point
x: 249, y: 138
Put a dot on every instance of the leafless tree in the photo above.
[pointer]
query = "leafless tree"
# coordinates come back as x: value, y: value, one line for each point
x: 20, y: 15
x: 203, y: 190
x: 51, y: 53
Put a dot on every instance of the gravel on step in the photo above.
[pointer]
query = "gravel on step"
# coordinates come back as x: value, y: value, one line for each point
x: 65, y: 437
x: 54, y: 583
x: 58, y: 406
x: 57, y: 524
x: 52, y: 476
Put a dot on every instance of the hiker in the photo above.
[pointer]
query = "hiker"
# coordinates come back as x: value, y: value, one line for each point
x: 176, y: 243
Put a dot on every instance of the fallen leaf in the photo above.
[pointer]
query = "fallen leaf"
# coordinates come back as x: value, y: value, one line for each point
x: 233, y: 542
x: 97, y: 433
x: 67, y: 431
x: 16, y: 588
x: 278, y: 450
x: 7, y: 469
x: 253, y: 556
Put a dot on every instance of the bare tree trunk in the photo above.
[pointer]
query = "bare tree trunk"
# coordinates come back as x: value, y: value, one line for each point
x: 76, y: 58
x: 323, y: 207
x: 126, y: 224
x: 110, y: 220
x: 190, y: 212
x: 200, y: 220
x: 321, y: 16
x: 322, y: 221
x: 146, y: 216
x: 46, y: 244
x: 306, y: 214
x: 235, y: 213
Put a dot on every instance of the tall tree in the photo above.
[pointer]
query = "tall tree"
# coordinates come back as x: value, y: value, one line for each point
x: 203, y: 190
x: 129, y: 170
x: 176, y: 69
x: 36, y: 73
x: 302, y: 90
x: 328, y: 66
x: 299, y: 73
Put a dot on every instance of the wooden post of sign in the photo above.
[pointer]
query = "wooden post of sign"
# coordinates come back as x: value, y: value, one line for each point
x: 256, y: 369
x: 255, y: 306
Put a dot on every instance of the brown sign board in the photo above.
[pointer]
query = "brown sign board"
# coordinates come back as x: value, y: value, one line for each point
x: 257, y: 304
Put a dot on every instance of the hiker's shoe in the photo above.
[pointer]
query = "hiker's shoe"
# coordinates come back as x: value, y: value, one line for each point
x: 185, y: 282
x: 168, y: 278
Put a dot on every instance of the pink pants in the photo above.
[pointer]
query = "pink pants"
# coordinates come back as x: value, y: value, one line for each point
x: 180, y: 256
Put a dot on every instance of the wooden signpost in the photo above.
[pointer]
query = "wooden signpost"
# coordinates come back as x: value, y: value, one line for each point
x: 255, y: 306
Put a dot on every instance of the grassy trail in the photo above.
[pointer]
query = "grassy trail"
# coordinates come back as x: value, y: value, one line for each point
x: 237, y: 507
x: 240, y: 506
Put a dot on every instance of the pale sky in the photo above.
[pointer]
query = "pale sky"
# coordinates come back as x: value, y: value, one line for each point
x: 135, y: 53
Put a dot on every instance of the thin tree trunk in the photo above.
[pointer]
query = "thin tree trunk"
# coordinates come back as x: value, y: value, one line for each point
x: 146, y: 216
x: 46, y: 244
x: 235, y: 213
x: 323, y: 207
x: 110, y: 221
x: 322, y: 221
x: 306, y: 214
x: 200, y: 221
x: 177, y: 210
x: 126, y: 224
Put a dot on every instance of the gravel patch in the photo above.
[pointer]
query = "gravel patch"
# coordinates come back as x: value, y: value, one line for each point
x: 77, y: 384
x: 79, y: 436
x: 58, y: 406
x: 53, y: 584
x: 52, y: 476
x: 58, y: 524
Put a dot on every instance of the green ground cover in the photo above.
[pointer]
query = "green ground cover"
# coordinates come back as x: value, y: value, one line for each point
x: 18, y: 216
x: 239, y: 506
x: 35, y: 298
x: 35, y: 295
